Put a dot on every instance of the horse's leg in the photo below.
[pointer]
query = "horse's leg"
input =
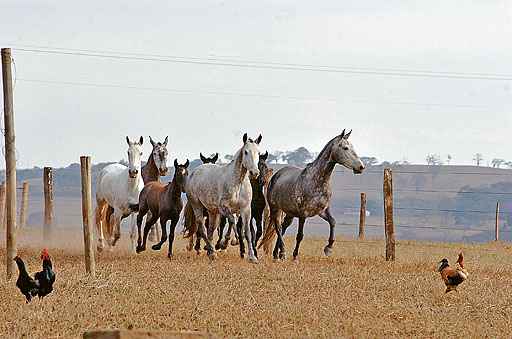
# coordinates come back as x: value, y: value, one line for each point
x: 152, y: 234
x: 198, y: 212
x: 246, y: 219
x: 231, y: 224
x: 133, y: 230
x: 326, y: 215
x: 143, y: 209
x: 174, y: 222
x: 117, y: 227
x: 98, y: 218
x: 197, y: 246
x: 163, y: 226
x: 220, y: 231
x: 298, y: 239
x: 258, y: 218
x: 240, y: 230
x: 152, y: 220
x: 236, y: 233
x: 279, y: 248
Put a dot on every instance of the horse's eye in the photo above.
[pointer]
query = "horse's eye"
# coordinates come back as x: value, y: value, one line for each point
x: 140, y: 153
x: 246, y: 152
x: 345, y: 148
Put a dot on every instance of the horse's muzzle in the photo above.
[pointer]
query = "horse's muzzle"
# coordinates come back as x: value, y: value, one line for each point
x: 163, y: 172
x: 254, y: 174
x: 358, y: 170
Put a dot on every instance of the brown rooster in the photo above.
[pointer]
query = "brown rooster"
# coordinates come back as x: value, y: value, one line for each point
x: 452, y: 277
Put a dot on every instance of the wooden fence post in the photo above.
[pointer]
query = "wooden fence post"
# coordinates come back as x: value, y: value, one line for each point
x: 10, y: 163
x: 497, y: 229
x: 48, y: 202
x: 388, y: 215
x: 85, y: 171
x: 3, y: 218
x: 362, y: 216
x: 24, y: 205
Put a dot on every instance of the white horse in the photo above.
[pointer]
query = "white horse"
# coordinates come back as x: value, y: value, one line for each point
x: 225, y: 190
x: 117, y: 192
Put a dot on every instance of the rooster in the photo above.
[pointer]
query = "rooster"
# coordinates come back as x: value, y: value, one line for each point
x: 28, y: 286
x: 453, y: 277
x: 46, y: 277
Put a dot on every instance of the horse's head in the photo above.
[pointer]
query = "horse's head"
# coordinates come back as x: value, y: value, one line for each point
x: 160, y: 155
x: 250, y: 155
x: 211, y: 160
x: 134, y: 157
x: 344, y: 154
x: 265, y: 171
x: 181, y: 174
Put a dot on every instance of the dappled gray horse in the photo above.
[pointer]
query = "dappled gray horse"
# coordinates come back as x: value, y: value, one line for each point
x: 303, y: 193
x: 224, y: 190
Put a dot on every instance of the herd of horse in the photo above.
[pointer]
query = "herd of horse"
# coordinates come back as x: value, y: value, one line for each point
x: 232, y: 194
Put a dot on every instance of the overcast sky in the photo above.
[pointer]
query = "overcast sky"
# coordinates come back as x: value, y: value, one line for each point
x: 393, y: 117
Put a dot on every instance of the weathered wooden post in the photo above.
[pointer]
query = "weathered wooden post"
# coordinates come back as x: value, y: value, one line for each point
x: 24, y: 205
x: 362, y: 216
x: 388, y: 215
x: 48, y: 202
x: 10, y: 163
x: 85, y: 171
x: 3, y: 218
x: 497, y: 225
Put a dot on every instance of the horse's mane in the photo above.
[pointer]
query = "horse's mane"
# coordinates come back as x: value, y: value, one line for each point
x: 323, y: 152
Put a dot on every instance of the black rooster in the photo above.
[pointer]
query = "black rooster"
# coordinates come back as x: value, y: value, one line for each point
x: 46, y: 277
x: 42, y: 283
x: 28, y: 286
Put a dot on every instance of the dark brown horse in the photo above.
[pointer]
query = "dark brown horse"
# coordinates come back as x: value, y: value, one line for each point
x: 155, y: 167
x: 303, y: 193
x: 164, y: 202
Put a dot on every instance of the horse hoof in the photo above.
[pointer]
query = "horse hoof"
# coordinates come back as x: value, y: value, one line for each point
x: 169, y: 256
x: 156, y: 247
x: 99, y: 248
x: 212, y: 256
x: 218, y: 246
x: 296, y: 260
x: 140, y: 249
x: 327, y: 251
x: 234, y: 242
x: 282, y: 256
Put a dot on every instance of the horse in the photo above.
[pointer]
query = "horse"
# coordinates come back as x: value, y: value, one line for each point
x: 210, y: 160
x: 155, y: 167
x: 303, y: 193
x: 223, y: 191
x: 164, y: 203
x: 117, y: 191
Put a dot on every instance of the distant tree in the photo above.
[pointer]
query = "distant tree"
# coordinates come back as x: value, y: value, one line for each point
x: 508, y: 164
x: 275, y: 156
x: 478, y: 158
x: 298, y: 157
x: 433, y: 160
x: 123, y: 162
x: 385, y: 164
x: 448, y: 159
x: 229, y: 157
x: 496, y: 163
x: 369, y: 161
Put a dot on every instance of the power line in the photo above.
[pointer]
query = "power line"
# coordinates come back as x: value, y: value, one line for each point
x: 275, y: 66
x: 428, y: 173
x: 230, y: 93
x: 420, y: 191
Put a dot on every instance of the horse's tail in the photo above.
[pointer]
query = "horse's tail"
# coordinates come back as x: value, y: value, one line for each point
x: 269, y: 233
x: 189, y: 225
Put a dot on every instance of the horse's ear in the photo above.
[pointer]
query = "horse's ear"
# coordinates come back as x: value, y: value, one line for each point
x: 175, y: 163
x: 165, y: 141
x: 244, y: 139
x: 186, y: 163
x: 141, y: 140
x: 128, y: 140
x: 151, y: 141
x: 215, y: 158
x: 258, y: 140
x: 343, y: 133
x: 203, y: 159
x: 264, y: 156
x: 347, y: 135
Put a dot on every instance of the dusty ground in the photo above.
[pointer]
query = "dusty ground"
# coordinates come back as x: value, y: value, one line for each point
x: 354, y: 293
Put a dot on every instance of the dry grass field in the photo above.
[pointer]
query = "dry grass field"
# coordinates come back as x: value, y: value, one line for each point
x: 355, y: 293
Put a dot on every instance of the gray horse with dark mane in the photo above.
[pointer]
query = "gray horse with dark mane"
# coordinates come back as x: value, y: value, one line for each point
x: 304, y: 193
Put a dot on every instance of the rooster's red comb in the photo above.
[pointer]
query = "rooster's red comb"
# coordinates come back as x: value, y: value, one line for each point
x: 44, y: 254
